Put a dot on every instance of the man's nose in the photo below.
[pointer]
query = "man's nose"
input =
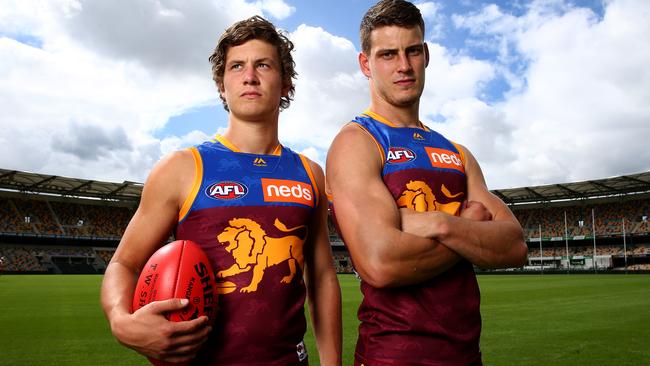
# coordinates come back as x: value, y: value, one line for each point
x: 250, y: 76
x: 404, y: 64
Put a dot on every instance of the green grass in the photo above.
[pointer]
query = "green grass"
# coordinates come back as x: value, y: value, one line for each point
x: 527, y: 320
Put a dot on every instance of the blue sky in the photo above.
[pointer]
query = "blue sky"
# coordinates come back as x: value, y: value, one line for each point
x: 541, y: 91
x: 341, y: 18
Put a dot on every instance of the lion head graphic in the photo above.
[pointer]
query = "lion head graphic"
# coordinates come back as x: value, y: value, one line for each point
x: 419, y: 197
x: 254, y: 250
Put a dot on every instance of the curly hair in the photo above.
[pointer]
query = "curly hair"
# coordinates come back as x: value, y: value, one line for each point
x: 255, y: 27
x: 386, y: 13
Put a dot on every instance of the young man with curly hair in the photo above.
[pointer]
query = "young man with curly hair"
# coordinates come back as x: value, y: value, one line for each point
x: 266, y: 235
x: 413, y: 209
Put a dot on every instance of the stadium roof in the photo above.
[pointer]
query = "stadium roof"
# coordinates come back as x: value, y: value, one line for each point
x: 13, y: 180
x: 608, y: 187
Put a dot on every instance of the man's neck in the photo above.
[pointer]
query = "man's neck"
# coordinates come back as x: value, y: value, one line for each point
x: 400, y: 116
x: 252, y: 137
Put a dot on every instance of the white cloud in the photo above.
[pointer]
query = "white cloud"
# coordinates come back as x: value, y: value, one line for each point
x: 88, y: 99
x: 106, y: 76
x: 582, y: 111
x: 277, y: 8
x: 428, y: 9
x: 330, y: 89
x: 314, y: 154
x: 172, y: 36
x: 450, y: 77
x: 434, y: 20
x: 173, y: 143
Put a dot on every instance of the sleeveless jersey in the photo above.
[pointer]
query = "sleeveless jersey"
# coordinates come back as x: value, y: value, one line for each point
x: 250, y: 215
x: 436, y: 322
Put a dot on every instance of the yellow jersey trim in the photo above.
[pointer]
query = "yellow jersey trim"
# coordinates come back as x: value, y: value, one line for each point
x: 461, y: 152
x: 198, y: 176
x: 385, y: 121
x: 224, y: 141
x: 307, y: 166
x: 381, y: 150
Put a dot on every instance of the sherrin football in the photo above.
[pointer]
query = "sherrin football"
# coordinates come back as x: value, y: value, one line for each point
x: 179, y: 269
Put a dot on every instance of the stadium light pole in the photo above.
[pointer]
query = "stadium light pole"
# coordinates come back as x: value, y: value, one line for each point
x: 566, y: 243
x: 624, y: 245
x: 541, y: 252
x: 593, y: 235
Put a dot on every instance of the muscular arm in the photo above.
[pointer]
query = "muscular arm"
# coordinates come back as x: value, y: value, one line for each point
x: 147, y: 330
x: 323, y: 291
x: 369, y: 219
x: 487, y: 233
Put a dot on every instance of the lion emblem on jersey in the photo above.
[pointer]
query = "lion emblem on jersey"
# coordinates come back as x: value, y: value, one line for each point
x: 254, y: 250
x: 419, y: 197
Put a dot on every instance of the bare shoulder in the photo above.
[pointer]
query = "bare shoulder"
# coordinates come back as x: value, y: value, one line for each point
x: 172, y: 177
x: 353, y: 146
x: 349, y: 133
x: 175, y: 163
x: 315, y: 168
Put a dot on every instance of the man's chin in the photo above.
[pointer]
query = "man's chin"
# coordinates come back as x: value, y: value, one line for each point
x: 253, y: 114
x: 405, y: 102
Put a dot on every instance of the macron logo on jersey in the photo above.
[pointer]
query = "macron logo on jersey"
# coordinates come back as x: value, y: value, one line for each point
x: 226, y: 190
x: 282, y: 190
x: 442, y: 158
x: 398, y: 155
x: 259, y: 162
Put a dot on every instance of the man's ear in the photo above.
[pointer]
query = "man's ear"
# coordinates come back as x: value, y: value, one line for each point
x: 363, y: 64
x: 285, y: 90
x: 221, y: 89
x: 426, y: 55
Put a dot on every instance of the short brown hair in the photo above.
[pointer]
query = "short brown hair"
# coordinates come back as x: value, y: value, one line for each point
x: 386, y: 13
x: 255, y: 27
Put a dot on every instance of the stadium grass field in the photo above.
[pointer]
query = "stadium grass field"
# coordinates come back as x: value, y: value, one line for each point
x: 527, y: 320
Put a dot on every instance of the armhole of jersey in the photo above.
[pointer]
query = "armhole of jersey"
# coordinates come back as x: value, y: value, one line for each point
x: 198, y: 176
x: 382, y: 155
x: 305, y: 163
x: 461, y: 152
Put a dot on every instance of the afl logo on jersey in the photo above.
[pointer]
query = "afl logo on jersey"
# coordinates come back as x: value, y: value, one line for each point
x: 226, y: 190
x: 397, y: 155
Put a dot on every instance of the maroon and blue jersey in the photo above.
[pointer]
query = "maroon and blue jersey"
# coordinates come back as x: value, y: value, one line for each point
x: 436, y: 322
x: 250, y: 213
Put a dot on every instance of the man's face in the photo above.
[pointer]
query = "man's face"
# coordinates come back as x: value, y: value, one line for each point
x: 396, y: 64
x: 252, y: 82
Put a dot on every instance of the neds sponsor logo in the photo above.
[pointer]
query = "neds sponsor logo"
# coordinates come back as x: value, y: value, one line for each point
x: 226, y: 190
x: 443, y: 158
x: 282, y: 190
x: 397, y: 155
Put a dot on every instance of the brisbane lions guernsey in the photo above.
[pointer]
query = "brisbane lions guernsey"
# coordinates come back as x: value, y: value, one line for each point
x: 250, y: 214
x: 436, y: 322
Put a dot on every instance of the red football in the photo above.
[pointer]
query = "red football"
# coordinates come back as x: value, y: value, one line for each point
x: 179, y: 269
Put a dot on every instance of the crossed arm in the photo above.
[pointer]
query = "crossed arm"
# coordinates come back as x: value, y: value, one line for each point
x: 487, y: 233
x: 384, y: 255
x: 392, y: 247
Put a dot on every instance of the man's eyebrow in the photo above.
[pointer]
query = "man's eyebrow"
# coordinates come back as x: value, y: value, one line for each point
x: 257, y: 60
x: 265, y: 59
x: 384, y: 50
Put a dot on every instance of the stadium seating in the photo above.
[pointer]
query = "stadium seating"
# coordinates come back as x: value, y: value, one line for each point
x: 54, y: 218
x: 608, y: 217
x: 71, y: 220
